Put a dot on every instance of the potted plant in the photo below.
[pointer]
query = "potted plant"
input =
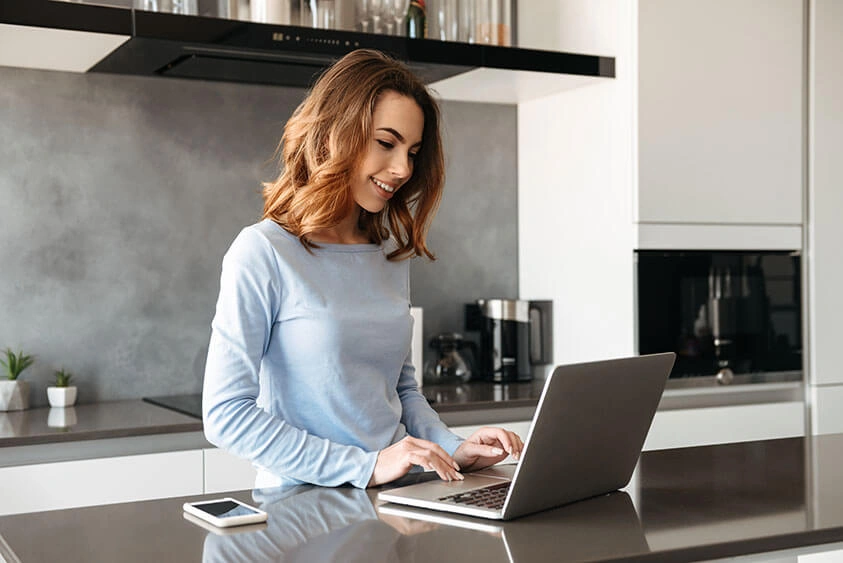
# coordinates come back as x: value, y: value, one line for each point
x: 62, y: 394
x: 14, y: 394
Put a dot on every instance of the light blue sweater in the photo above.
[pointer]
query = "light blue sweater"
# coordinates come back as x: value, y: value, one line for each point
x: 308, y: 373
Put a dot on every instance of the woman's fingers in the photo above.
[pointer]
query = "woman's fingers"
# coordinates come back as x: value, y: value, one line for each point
x: 433, y: 448
x: 433, y: 457
x: 509, y: 441
x: 442, y: 468
x: 474, y: 449
x: 397, y: 460
x: 517, y: 444
x: 520, y: 445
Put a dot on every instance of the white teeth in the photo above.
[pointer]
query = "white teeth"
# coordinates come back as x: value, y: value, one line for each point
x: 380, y: 184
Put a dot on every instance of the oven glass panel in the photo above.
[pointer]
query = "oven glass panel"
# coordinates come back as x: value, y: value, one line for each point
x: 739, y: 311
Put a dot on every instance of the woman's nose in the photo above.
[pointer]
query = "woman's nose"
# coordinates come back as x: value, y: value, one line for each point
x: 401, y: 167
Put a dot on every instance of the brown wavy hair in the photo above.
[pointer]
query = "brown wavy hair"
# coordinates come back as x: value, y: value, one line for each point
x: 325, y: 141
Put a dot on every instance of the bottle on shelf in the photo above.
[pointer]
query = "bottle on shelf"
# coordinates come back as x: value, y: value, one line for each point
x: 416, y: 20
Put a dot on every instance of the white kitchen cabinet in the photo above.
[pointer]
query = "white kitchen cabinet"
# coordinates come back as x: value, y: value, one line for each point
x: 226, y: 472
x: 720, y: 111
x: 51, y: 486
x: 825, y: 229
x: 706, y: 118
x: 825, y: 195
x: 720, y: 425
x: 826, y: 411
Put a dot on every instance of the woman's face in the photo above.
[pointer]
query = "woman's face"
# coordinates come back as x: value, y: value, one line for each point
x: 397, y: 124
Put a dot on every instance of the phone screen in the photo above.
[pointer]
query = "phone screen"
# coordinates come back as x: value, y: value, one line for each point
x: 225, y: 509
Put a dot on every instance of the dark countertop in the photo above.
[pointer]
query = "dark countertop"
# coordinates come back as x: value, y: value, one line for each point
x: 682, y: 505
x: 95, y: 421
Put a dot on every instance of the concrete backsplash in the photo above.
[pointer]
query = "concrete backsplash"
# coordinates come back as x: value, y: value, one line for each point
x: 120, y: 195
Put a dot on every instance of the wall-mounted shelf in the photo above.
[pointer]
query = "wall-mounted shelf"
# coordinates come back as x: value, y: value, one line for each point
x: 80, y: 37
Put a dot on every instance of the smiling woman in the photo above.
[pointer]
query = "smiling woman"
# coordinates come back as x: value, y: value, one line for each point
x: 309, y: 373
x: 362, y: 109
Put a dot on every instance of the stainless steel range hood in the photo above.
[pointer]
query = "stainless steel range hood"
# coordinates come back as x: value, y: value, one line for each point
x: 192, y: 47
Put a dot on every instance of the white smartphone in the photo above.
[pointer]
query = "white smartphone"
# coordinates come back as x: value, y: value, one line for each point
x: 225, y: 512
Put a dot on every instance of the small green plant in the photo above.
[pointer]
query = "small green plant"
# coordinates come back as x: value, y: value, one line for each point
x: 15, y: 363
x: 63, y: 378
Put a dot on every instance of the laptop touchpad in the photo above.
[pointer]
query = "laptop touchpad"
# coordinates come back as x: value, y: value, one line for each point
x: 501, y: 471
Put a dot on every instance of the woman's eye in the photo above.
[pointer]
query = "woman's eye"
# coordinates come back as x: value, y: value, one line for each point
x: 413, y: 155
x: 385, y: 144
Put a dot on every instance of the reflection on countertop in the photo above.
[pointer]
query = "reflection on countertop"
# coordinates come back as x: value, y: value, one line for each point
x: 480, y: 395
x: 686, y: 504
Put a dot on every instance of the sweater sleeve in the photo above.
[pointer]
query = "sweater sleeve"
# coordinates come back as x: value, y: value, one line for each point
x: 418, y: 416
x: 248, y: 302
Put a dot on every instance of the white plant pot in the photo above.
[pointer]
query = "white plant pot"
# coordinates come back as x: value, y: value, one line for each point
x: 14, y: 395
x: 61, y: 396
x: 62, y: 417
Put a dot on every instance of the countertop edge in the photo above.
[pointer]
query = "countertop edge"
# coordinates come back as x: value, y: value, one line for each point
x: 101, y: 434
x: 745, y: 547
x: 102, y: 448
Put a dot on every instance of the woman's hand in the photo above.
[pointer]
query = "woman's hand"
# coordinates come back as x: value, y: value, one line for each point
x: 486, y: 447
x: 397, y: 460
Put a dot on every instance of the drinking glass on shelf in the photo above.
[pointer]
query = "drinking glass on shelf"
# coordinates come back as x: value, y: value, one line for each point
x: 369, y: 15
x: 326, y: 14
x: 362, y: 11
x: 318, y: 14
x: 445, y: 20
x: 188, y: 7
x: 492, y: 19
x: 269, y: 11
x: 466, y: 22
x: 377, y: 10
x: 397, y: 11
x: 185, y: 7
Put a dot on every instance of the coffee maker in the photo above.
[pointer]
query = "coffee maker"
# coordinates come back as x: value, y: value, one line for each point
x: 514, y: 336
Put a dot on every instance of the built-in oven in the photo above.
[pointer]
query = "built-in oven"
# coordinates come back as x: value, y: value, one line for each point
x: 730, y: 316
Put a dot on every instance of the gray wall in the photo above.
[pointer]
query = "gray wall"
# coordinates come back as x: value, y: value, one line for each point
x: 119, y: 196
x: 475, y: 233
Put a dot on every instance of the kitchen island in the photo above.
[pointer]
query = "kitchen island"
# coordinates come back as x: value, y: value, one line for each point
x: 684, y: 504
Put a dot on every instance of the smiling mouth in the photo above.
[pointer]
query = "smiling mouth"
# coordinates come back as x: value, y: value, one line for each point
x: 385, y: 187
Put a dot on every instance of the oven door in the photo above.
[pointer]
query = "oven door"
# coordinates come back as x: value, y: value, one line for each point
x: 730, y: 316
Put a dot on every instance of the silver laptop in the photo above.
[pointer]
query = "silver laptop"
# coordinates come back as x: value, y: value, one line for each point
x: 585, y: 439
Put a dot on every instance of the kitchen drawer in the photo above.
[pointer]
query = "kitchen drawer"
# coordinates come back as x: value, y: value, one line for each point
x: 68, y: 484
x: 720, y: 425
x: 227, y: 472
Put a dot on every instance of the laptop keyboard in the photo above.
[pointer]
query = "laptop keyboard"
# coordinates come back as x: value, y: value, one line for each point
x: 492, y: 496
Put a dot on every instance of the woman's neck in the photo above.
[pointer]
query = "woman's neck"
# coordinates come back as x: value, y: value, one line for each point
x: 346, y: 232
